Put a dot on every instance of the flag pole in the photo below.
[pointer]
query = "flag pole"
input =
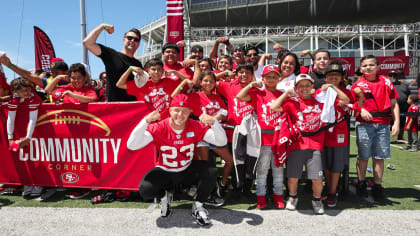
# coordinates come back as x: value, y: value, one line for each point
x: 83, y: 31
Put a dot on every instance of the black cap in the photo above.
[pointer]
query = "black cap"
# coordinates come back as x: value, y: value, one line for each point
x: 170, y: 45
x: 335, y: 68
x: 59, y: 65
x: 197, y: 48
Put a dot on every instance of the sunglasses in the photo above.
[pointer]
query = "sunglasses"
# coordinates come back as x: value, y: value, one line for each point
x: 132, y: 38
x: 252, y: 54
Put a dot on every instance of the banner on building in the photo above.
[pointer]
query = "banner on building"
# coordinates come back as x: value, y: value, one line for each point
x: 77, y: 146
x: 348, y: 64
x: 175, y: 23
x: 397, y: 63
x: 44, y: 50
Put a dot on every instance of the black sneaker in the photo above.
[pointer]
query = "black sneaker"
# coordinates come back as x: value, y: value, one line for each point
x: 378, y: 192
x: 200, y: 214
x: 331, y: 200
x: 165, y: 204
x: 214, y: 201
x: 220, y: 189
x: 362, y: 189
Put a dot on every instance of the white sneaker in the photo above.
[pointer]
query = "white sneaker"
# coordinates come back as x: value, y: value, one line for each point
x: 292, y: 203
x: 318, y: 207
x: 200, y: 214
x: 165, y: 204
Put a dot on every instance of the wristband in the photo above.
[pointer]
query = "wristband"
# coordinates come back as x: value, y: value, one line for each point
x: 332, y: 86
x: 104, y: 27
x: 250, y: 85
x: 130, y: 68
x: 226, y: 73
x: 310, y: 51
x: 180, y: 87
x: 10, y: 65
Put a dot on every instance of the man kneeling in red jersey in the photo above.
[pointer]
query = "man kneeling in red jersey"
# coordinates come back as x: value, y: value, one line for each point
x: 176, y: 139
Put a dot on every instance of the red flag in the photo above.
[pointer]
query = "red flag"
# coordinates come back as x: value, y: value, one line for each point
x: 44, y: 50
x: 175, y: 23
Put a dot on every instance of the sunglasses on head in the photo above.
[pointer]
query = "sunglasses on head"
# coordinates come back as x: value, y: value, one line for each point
x: 252, y: 54
x: 132, y: 38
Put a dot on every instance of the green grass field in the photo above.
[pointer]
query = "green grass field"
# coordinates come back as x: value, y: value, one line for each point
x: 399, y: 189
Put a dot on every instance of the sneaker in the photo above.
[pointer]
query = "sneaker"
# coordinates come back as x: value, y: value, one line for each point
x: 220, y: 189
x: 318, y: 207
x: 405, y: 147
x: 291, y: 203
x: 77, y: 193
x: 165, y: 204
x: 331, y: 200
x: 414, y: 150
x: 278, y: 201
x: 261, y: 202
x: 200, y: 214
x: 362, y: 189
x: 378, y: 192
x: 214, y: 201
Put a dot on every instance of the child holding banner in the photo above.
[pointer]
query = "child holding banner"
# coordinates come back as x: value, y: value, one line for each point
x: 176, y: 140
x: 24, y: 96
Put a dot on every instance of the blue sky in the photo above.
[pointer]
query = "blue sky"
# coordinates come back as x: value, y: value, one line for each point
x: 61, y: 21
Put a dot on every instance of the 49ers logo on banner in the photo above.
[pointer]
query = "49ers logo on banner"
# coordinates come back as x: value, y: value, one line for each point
x: 69, y: 177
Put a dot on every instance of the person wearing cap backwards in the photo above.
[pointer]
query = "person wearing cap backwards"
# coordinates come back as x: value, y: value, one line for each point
x: 305, y: 113
x: 170, y: 54
x: 59, y: 69
x: 176, y: 139
x: 335, y: 154
x: 261, y: 94
x: 116, y: 63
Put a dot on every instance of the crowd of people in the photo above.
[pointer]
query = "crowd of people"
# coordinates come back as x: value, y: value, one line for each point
x: 264, y: 121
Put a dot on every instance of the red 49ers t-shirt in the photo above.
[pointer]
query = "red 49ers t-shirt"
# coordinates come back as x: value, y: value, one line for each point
x: 415, y: 123
x: 306, y: 114
x: 32, y: 102
x: 176, y: 151
x: 337, y: 136
x: 178, y: 67
x: 236, y: 109
x: 261, y: 100
x: 377, y: 97
x: 208, y: 104
x: 157, y: 94
x: 84, y: 91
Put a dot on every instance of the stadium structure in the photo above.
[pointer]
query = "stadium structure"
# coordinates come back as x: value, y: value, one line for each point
x: 346, y: 28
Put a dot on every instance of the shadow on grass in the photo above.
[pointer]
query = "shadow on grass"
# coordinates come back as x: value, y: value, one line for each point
x: 182, y: 218
x: 5, y: 202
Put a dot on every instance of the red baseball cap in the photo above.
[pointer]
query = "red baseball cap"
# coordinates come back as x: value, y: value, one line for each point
x: 270, y: 68
x: 180, y: 100
x: 301, y: 77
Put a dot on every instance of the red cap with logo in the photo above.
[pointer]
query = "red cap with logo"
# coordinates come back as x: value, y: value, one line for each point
x: 270, y: 68
x: 180, y: 100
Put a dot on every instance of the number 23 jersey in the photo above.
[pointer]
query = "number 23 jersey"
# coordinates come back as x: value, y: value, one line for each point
x: 176, y: 151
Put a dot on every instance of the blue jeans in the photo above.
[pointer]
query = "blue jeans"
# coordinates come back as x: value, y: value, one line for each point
x: 373, y: 141
x: 265, y: 161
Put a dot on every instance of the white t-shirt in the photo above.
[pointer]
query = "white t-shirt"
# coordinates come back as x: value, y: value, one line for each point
x: 258, y: 72
x: 287, y: 83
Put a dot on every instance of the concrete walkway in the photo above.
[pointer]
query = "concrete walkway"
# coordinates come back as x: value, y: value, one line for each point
x: 115, y: 221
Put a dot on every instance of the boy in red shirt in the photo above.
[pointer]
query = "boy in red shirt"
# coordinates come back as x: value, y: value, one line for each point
x: 261, y: 94
x: 238, y: 109
x: 158, y: 88
x: 377, y: 100
x: 412, y: 124
x: 305, y: 112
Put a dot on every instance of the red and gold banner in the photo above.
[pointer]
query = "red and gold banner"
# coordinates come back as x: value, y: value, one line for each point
x: 175, y: 23
x: 348, y: 64
x: 79, y: 146
x: 397, y: 63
